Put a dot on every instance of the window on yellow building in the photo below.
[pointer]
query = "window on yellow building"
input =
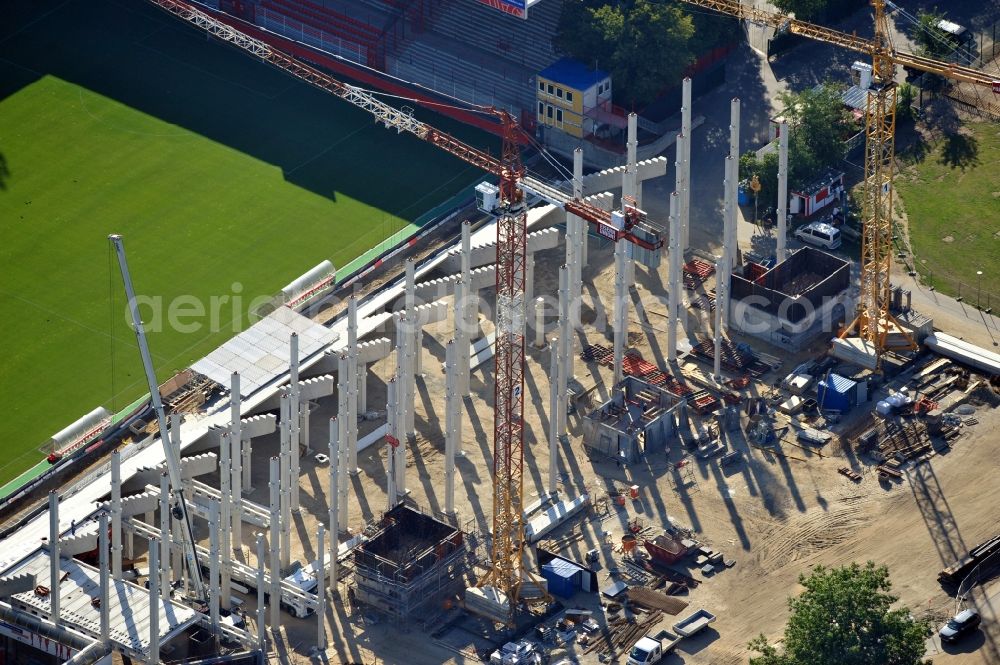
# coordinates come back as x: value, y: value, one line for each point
x: 569, y: 96
x: 559, y: 93
x: 541, y: 109
x: 541, y: 86
x: 551, y: 91
x: 558, y: 115
x: 548, y: 111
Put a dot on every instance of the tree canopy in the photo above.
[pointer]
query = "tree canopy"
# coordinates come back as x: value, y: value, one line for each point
x: 931, y: 40
x: 818, y: 125
x: 806, y: 10
x: 845, y: 617
x: 644, y: 44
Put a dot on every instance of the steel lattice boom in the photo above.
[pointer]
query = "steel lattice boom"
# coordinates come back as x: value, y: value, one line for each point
x: 873, y: 322
x: 507, y: 567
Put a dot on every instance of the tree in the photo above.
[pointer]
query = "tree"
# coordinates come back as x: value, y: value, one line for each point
x: 845, y: 617
x: 644, y: 44
x: 806, y: 10
x: 904, y: 102
x: 819, y: 125
x: 766, y: 170
x: 932, y: 41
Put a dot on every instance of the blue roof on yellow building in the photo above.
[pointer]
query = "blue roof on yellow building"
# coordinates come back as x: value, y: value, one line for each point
x: 573, y: 74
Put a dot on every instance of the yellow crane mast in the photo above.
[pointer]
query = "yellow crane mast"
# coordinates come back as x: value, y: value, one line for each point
x: 873, y: 321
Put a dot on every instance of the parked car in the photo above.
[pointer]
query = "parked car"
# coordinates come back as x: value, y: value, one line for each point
x: 961, y: 624
x: 820, y: 235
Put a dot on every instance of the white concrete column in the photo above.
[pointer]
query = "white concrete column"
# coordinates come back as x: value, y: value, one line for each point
x: 154, y: 606
x: 414, y: 346
x: 404, y: 375
x: 362, y: 398
x: 320, y: 592
x: 247, y: 449
x: 164, y: 536
x: 102, y: 563
x: 343, y: 478
x: 720, y: 272
x: 392, y: 438
x: 461, y: 335
x: 236, y: 469
x: 581, y: 240
x: 261, y: 643
x: 734, y: 169
x: 116, y: 515
x: 529, y: 276
x: 214, y: 567
x: 452, y: 413
x: 733, y: 193
x: 294, y: 414
x: 722, y: 296
x: 273, y: 542
x: 469, y: 311
x: 728, y: 252
x: 55, y: 572
x: 554, y: 405
x: 673, y: 295
x: 685, y: 202
x: 305, y: 409
x: 565, y: 348
x: 404, y: 372
x: 285, y: 482
x: 352, y: 386
x: 630, y: 183
x: 782, y: 192
x: 334, y: 511
x: 539, y: 323
x: 621, y: 310
x: 225, y: 521
x: 399, y: 453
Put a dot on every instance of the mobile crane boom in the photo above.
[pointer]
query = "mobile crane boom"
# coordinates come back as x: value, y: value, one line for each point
x: 172, y: 456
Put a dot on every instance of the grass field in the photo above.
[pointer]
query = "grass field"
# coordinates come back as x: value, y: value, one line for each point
x: 226, y: 178
x: 952, y: 202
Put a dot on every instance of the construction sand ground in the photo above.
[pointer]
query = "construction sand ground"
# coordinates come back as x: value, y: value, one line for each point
x: 776, y: 515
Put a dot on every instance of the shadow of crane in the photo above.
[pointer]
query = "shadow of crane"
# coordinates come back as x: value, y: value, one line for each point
x: 934, y: 508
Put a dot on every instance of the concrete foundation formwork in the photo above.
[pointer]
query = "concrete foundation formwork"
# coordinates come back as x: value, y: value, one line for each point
x: 637, y: 420
x: 408, y: 567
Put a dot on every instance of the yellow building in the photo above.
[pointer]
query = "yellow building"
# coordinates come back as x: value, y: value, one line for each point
x: 570, y: 95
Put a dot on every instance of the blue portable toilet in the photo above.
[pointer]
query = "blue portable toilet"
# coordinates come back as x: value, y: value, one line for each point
x: 836, y: 393
x: 743, y: 194
x: 562, y: 577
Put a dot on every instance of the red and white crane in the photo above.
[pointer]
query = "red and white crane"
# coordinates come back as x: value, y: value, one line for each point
x: 507, y: 570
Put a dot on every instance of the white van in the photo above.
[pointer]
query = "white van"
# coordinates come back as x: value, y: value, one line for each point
x: 820, y: 235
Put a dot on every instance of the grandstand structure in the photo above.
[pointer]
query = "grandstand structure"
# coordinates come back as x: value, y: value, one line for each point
x: 464, y: 49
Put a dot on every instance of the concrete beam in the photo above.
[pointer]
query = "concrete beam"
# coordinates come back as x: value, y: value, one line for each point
x: 73, y: 545
x: 486, y: 253
x: 610, y: 179
x: 17, y: 584
x: 191, y: 467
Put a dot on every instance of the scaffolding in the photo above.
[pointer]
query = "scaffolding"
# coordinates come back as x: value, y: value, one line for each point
x: 410, y: 562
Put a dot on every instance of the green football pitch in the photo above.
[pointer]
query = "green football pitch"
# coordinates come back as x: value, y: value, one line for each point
x: 226, y: 178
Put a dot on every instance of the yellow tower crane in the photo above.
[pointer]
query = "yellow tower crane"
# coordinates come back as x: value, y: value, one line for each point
x: 873, y: 321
